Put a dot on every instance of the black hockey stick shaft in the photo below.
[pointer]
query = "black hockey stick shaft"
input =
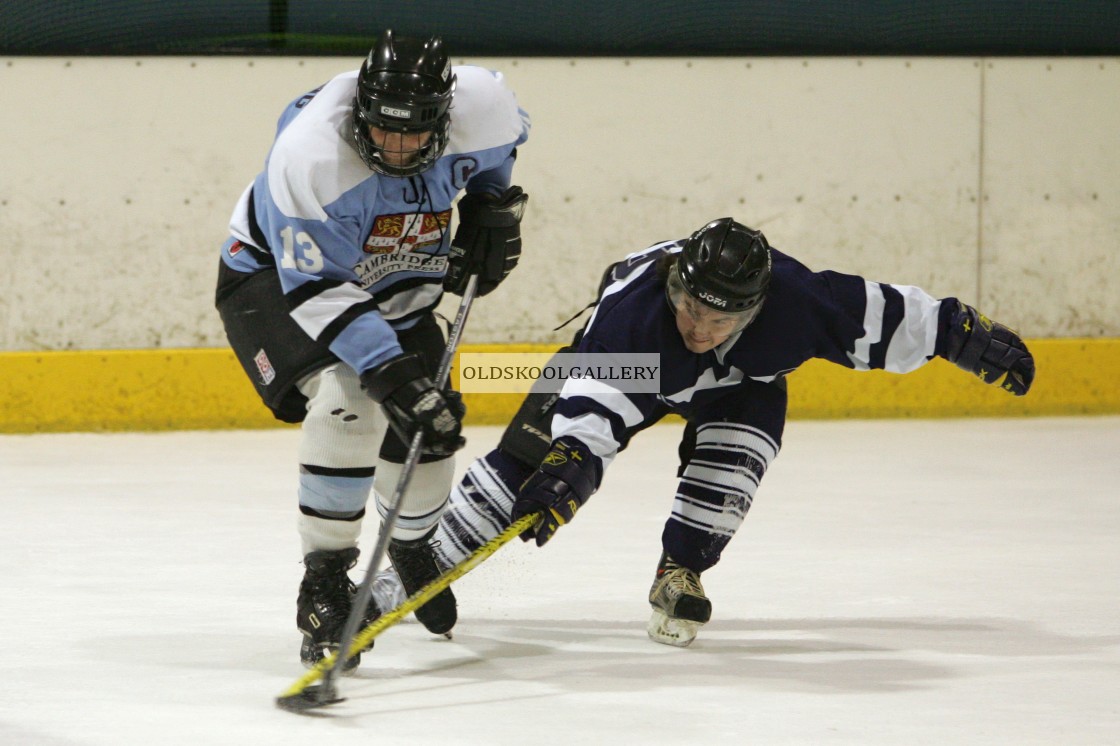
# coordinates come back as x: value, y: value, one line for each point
x: 365, y: 590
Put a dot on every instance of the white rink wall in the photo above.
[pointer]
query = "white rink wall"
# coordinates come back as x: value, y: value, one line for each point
x: 997, y: 180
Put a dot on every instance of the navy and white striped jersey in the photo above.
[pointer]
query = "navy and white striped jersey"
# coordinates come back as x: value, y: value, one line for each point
x: 362, y: 255
x: 842, y: 318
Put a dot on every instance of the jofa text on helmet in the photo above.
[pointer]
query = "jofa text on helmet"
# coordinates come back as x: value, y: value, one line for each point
x: 713, y: 299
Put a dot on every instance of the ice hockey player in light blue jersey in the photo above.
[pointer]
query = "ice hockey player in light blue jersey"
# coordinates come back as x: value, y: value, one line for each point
x: 340, y: 250
x: 730, y: 318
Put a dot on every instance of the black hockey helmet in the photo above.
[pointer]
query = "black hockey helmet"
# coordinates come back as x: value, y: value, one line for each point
x: 405, y: 85
x: 726, y: 267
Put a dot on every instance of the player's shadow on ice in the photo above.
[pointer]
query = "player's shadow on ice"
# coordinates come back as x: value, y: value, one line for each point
x: 803, y: 655
x: 991, y: 636
x: 853, y: 655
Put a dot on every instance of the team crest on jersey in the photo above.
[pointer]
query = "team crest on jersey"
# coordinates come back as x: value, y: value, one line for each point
x: 407, y: 232
x: 405, y: 242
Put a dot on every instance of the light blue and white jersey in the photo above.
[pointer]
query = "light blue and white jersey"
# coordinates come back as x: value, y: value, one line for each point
x: 361, y: 255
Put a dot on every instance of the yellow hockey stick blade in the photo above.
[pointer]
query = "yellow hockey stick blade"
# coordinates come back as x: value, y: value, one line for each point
x: 302, y: 698
x: 311, y: 698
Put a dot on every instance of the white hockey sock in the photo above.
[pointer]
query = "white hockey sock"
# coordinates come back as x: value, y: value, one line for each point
x: 424, y: 501
x: 318, y: 534
x: 479, y: 509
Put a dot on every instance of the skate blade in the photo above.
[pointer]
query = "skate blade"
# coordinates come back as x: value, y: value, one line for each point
x: 676, y: 632
x: 310, y: 699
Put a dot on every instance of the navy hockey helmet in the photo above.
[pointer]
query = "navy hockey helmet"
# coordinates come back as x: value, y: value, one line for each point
x: 404, y: 86
x: 726, y: 267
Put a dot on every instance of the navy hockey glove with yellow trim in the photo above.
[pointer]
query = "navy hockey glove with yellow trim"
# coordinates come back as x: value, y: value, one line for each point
x: 989, y: 350
x: 487, y: 241
x: 567, y: 476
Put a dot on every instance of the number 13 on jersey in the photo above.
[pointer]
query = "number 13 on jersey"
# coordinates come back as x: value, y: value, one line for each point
x: 310, y: 259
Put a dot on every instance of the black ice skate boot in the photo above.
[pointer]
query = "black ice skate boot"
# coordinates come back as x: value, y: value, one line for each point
x: 415, y: 563
x: 326, y: 596
x: 679, y: 604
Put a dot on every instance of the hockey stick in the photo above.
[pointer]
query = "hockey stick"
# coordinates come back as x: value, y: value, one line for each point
x: 327, y: 693
x: 301, y: 696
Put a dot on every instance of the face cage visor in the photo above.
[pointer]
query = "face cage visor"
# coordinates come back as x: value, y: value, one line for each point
x: 421, y: 159
x: 720, y: 323
x: 405, y: 112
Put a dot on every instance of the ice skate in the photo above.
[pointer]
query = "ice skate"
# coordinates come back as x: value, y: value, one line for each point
x: 679, y: 604
x: 326, y: 596
x: 415, y: 563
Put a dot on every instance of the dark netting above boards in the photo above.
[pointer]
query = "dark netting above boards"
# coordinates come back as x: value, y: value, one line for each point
x: 566, y: 28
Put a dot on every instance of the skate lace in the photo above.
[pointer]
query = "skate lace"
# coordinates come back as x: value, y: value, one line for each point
x: 333, y: 595
x: 418, y: 559
x: 682, y: 581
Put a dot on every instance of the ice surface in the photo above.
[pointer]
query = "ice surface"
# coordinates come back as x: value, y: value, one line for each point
x: 896, y: 582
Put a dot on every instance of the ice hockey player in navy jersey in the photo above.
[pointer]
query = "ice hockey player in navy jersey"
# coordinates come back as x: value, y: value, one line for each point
x: 730, y: 317
x: 340, y: 251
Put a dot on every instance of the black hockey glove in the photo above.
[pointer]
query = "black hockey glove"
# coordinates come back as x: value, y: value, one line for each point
x: 410, y: 400
x: 487, y: 241
x: 989, y: 350
x: 569, y: 475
